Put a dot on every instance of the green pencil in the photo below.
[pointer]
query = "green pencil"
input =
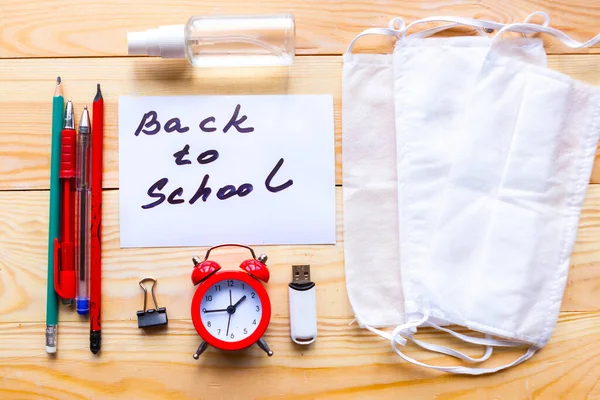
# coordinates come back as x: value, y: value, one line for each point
x: 58, y: 105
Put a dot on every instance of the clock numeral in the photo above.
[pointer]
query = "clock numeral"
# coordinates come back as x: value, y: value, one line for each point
x: 257, y: 308
x: 245, y: 331
x: 254, y: 322
x: 231, y: 336
x: 208, y: 324
x: 208, y: 298
x: 230, y: 283
x: 243, y: 287
x: 217, y: 288
x: 219, y: 332
x: 253, y: 294
x: 204, y: 310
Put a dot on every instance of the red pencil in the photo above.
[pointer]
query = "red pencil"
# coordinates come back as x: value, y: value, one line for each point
x: 96, y: 222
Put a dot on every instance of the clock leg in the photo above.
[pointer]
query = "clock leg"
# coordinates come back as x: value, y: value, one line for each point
x: 263, y: 345
x: 203, y: 346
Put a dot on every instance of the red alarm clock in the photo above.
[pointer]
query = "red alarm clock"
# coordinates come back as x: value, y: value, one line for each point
x: 231, y: 310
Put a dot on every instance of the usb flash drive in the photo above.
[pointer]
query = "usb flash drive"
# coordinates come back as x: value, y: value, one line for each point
x: 303, y: 306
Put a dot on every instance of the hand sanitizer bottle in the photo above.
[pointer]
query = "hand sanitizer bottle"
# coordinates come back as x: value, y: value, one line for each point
x: 221, y: 41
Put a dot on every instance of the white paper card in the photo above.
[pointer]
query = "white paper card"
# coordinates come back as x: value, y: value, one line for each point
x: 205, y: 170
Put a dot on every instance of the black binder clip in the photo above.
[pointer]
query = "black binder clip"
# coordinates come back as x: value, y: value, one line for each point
x: 154, y: 316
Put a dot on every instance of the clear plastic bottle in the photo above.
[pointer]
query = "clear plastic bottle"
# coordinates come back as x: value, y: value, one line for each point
x: 221, y: 41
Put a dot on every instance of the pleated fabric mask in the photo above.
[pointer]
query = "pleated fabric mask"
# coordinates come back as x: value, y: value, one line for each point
x: 494, y: 152
x: 498, y: 256
x: 370, y: 181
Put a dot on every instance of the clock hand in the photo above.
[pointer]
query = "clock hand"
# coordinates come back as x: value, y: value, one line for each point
x: 230, y: 297
x: 204, y: 310
x: 239, y: 301
x: 228, y: 321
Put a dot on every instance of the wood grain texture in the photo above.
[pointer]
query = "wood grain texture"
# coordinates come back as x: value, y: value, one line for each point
x: 27, y: 85
x: 61, y: 28
x: 345, y: 362
x: 23, y: 222
x: 25, y: 113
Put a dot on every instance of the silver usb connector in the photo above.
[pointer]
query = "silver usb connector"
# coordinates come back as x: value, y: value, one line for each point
x: 301, y: 273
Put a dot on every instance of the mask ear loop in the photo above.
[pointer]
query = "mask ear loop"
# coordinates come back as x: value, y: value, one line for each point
x: 482, y: 26
x: 433, y: 31
x: 542, y: 14
x: 487, y: 341
x: 453, y: 353
x: 371, y: 31
x: 397, y: 24
x: 397, y: 28
x: 407, y: 329
x: 466, y: 370
x: 526, y: 28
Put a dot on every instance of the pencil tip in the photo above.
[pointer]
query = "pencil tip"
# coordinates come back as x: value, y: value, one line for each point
x: 98, y: 93
x: 58, y: 89
x: 85, y: 107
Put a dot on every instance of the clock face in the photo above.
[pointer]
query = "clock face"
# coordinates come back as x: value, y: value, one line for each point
x: 231, y: 309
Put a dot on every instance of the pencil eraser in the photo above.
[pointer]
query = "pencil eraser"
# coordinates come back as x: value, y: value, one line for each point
x: 50, y: 350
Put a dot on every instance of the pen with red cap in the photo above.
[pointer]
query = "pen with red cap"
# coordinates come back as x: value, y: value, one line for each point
x: 64, y: 250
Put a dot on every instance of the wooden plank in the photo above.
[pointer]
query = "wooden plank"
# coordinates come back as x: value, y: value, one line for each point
x: 23, y: 230
x: 61, y: 28
x: 25, y: 114
x: 26, y: 87
x: 345, y: 362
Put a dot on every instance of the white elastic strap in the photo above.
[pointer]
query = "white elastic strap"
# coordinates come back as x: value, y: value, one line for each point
x: 475, y: 23
x: 390, y: 31
x: 399, y: 25
x: 407, y: 329
x: 432, y: 31
x: 402, y: 29
x: 386, y: 335
x: 372, y: 31
x: 451, y: 352
x: 454, y: 21
x: 401, y: 328
x: 560, y: 35
x: 487, y: 341
x: 466, y: 370
x: 542, y: 14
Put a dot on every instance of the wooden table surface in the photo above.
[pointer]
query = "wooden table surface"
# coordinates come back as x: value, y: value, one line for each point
x: 84, y: 42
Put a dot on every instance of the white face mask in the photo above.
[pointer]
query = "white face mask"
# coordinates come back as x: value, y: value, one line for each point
x: 370, y: 190
x: 372, y: 255
x: 491, y: 250
x: 433, y: 81
x: 499, y: 254
x: 370, y: 183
